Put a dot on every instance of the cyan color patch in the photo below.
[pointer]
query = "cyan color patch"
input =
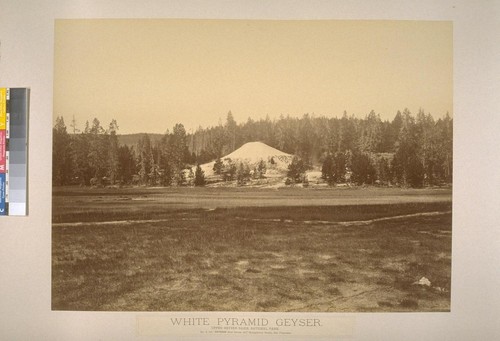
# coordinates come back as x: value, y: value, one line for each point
x: 3, y: 210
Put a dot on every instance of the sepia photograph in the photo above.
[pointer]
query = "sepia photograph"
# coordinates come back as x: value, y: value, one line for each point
x: 252, y: 165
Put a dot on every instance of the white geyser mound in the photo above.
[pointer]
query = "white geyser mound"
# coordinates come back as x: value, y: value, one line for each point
x: 252, y: 153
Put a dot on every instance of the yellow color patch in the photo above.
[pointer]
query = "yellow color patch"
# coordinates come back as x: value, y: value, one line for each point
x: 3, y: 108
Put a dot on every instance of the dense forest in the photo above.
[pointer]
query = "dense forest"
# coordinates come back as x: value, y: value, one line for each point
x: 411, y: 150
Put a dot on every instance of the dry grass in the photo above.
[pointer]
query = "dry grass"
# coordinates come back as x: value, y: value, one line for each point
x: 226, y: 260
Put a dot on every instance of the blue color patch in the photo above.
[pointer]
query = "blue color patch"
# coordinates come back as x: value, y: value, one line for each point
x: 3, y: 209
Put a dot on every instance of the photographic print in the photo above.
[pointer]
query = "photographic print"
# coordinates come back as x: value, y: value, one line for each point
x: 252, y: 165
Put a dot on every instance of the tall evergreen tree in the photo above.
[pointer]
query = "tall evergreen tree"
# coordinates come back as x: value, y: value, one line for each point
x: 97, y: 155
x: 362, y: 169
x: 61, y: 153
x: 371, y: 134
x: 446, y: 147
x: 126, y: 164
x: 305, y: 141
x: 243, y: 173
x: 199, y: 176
x: 218, y: 166
x: 347, y: 134
x: 80, y: 146
x: 145, y: 161
x: 327, y: 170
x: 296, y: 170
x: 230, y: 128
x: 179, y: 153
x: 113, y: 154
x: 229, y: 170
x: 383, y: 170
x: 426, y: 140
x: 408, y: 169
x: 340, y: 164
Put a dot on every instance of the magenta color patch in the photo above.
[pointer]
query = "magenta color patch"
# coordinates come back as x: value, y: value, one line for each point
x: 2, y: 152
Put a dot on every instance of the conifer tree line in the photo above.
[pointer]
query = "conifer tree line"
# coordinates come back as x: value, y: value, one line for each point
x: 411, y: 150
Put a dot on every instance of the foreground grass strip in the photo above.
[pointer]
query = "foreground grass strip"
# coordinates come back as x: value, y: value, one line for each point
x: 163, y: 255
x: 223, y: 264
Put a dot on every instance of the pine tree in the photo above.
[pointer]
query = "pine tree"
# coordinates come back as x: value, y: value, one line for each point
x: 261, y: 168
x: 230, y: 128
x: 339, y: 167
x: 362, y: 168
x: 327, y: 170
x: 126, y: 164
x: 145, y: 161
x: 243, y: 173
x: 371, y: 134
x: 347, y: 134
x: 446, y: 147
x: 97, y: 154
x: 408, y: 169
x: 112, y: 149
x: 61, y: 154
x: 427, y: 143
x: 305, y: 143
x: 218, y: 166
x: 296, y: 170
x: 383, y: 170
x: 228, y: 170
x: 80, y: 145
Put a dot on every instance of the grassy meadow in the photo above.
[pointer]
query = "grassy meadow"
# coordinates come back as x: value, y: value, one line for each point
x: 203, y: 249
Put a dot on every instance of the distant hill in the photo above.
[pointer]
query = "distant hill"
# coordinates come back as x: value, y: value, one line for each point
x: 132, y: 139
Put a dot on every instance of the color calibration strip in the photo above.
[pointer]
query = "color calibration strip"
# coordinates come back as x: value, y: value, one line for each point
x: 14, y: 108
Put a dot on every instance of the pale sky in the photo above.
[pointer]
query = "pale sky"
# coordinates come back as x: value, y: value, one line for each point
x: 150, y: 74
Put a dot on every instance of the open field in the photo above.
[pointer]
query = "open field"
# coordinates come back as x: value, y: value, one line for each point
x: 251, y: 250
x: 106, y: 204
